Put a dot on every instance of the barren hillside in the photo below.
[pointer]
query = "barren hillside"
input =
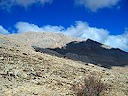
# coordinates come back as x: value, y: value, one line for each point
x: 87, y: 51
x: 43, y: 39
x: 25, y: 72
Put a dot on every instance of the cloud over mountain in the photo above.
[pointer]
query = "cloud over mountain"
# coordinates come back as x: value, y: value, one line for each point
x: 25, y: 26
x: 118, y: 41
x: 83, y: 30
x: 3, y: 31
x: 7, y: 4
x: 79, y: 29
x: 94, y: 5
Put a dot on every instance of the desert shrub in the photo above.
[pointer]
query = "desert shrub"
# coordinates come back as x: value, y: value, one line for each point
x: 91, y: 86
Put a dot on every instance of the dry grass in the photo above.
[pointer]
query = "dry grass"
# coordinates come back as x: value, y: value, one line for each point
x: 26, y: 72
x: 91, y: 86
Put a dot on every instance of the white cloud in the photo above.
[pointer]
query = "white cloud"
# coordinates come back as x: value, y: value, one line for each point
x: 7, y: 4
x: 25, y: 27
x: 45, y: 1
x: 118, y: 41
x: 49, y: 28
x: 83, y: 30
x: 94, y: 5
x: 80, y: 30
x: 3, y: 31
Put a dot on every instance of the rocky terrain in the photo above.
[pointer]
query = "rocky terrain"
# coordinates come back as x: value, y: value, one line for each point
x: 87, y: 50
x: 93, y: 52
x: 43, y: 39
x: 26, y: 72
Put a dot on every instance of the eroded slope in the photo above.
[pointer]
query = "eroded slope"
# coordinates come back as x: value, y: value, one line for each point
x: 24, y: 72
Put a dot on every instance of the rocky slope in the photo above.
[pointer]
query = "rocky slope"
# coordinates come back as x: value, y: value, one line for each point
x: 93, y: 52
x: 43, y: 39
x: 87, y: 51
x: 25, y: 72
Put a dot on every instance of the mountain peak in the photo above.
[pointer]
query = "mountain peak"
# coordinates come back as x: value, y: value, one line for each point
x: 48, y: 71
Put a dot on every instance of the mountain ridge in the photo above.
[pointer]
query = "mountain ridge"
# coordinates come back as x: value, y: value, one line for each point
x: 85, y: 50
x: 96, y: 53
x: 23, y: 71
x: 43, y: 39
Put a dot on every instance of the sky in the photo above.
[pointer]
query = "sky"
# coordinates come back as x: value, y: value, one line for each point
x: 105, y: 21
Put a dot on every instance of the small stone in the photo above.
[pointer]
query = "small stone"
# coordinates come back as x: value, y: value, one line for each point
x: 1, y: 58
x: 35, y: 93
x: 24, y: 54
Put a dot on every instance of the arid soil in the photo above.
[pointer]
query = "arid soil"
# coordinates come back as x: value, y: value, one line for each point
x: 25, y: 72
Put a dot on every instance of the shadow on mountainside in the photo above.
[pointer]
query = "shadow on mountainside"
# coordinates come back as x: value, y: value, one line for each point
x: 90, y: 52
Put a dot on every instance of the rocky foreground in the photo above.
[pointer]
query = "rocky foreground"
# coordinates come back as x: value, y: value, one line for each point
x: 25, y: 72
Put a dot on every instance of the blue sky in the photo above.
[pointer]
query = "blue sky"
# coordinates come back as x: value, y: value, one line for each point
x: 105, y: 21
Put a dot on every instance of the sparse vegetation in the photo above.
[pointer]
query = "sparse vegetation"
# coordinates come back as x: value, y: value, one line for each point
x: 91, y: 86
x: 26, y: 72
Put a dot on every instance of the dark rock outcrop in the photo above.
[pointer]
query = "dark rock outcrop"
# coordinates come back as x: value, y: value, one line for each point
x: 87, y: 51
x: 94, y: 53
